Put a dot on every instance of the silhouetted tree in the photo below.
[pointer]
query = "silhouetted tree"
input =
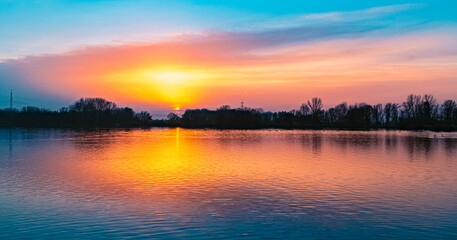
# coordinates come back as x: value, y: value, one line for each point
x: 224, y: 107
x: 341, y: 110
x: 377, y: 115
x: 391, y: 114
x: 411, y: 106
x: 144, y: 117
x: 304, y: 110
x: 359, y: 116
x: 336, y: 116
x: 449, y: 112
x: 172, y: 117
x: 316, y: 108
x: 429, y: 108
x: 93, y: 105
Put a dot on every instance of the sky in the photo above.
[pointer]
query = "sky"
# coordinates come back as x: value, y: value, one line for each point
x: 162, y: 55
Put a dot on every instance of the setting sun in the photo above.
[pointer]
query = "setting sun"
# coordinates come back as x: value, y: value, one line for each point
x: 162, y: 86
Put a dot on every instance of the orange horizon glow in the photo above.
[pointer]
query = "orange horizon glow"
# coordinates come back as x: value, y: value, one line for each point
x: 215, y: 70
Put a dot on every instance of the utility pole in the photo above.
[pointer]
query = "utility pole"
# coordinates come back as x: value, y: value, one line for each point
x: 242, y: 104
x: 11, y: 100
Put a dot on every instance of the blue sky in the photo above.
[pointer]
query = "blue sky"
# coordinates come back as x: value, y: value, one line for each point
x: 40, y: 27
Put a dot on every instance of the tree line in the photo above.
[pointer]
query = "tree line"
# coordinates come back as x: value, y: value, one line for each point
x: 86, y: 112
x: 415, y: 113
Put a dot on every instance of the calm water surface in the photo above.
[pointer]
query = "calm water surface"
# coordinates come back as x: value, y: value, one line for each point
x: 199, y: 184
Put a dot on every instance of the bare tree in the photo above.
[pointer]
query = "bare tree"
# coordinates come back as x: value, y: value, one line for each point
x: 93, y: 105
x: 377, y: 114
x: 172, y: 117
x: 224, y: 107
x: 304, y: 110
x: 315, y: 106
x: 429, y: 107
x: 411, y: 106
x: 143, y: 117
x: 391, y: 114
x: 448, y: 110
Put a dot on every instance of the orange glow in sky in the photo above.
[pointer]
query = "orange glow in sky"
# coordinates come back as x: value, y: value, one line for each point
x: 214, y: 69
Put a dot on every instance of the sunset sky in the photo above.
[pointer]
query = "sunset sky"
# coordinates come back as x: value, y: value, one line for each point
x: 161, y: 55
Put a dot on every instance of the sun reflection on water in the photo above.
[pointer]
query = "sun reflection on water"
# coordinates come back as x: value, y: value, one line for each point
x: 302, y: 177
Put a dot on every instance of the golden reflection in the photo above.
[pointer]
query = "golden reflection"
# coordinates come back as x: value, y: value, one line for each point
x: 177, y: 137
x: 144, y: 161
x: 178, y: 161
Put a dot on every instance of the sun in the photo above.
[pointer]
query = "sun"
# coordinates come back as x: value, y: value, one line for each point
x: 171, y: 87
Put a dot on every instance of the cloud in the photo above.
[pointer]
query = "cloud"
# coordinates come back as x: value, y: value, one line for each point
x: 201, y: 47
x: 358, y: 15
x: 367, y: 16
x: 292, y: 61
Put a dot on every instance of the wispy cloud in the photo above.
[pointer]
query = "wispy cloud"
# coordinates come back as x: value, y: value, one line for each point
x: 358, y: 15
x: 368, y: 16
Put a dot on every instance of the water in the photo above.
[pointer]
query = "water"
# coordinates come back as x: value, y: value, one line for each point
x: 206, y: 184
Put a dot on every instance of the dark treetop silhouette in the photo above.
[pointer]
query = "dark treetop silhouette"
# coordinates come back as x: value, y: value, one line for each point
x: 417, y: 112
